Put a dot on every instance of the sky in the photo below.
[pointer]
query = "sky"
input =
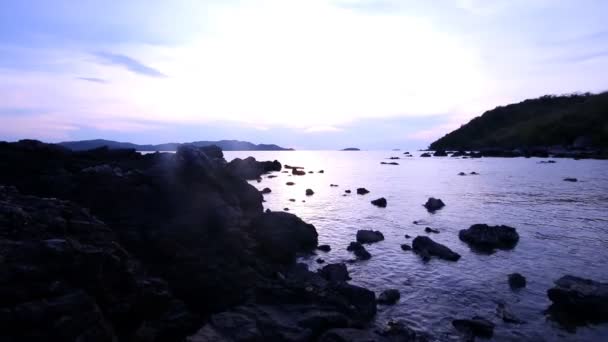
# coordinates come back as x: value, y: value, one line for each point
x: 307, y: 74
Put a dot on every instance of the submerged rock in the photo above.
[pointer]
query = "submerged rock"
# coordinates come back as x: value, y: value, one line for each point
x: 488, y: 238
x: 462, y: 174
x: 475, y: 327
x: 506, y: 315
x: 517, y: 281
x: 362, y: 191
x: 389, y: 297
x: 570, y: 179
x: 360, y: 252
x: 335, y: 273
x: 427, y: 248
x: 578, y: 299
x: 369, y: 236
x: 380, y: 202
x: 433, y: 204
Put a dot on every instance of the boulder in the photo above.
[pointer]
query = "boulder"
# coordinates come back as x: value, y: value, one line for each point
x: 360, y: 252
x: 389, y: 297
x: 431, y: 230
x: 369, y: 236
x: 324, y: 248
x: 579, y: 298
x: 488, y: 238
x: 433, y: 204
x: 517, y: 281
x: 281, y: 236
x: 309, y: 192
x: 406, y: 247
x: 475, y: 327
x: 347, y: 191
x: 380, y: 202
x: 427, y: 248
x: 440, y: 153
x: 335, y: 273
x: 266, y: 191
x: 362, y: 191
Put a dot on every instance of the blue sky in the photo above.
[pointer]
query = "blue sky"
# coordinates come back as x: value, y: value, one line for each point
x: 306, y: 74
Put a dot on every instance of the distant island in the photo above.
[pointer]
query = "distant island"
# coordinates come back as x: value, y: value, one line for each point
x: 226, y: 145
x: 350, y: 149
x: 566, y: 122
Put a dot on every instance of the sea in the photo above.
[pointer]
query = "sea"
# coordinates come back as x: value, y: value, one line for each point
x: 563, y: 228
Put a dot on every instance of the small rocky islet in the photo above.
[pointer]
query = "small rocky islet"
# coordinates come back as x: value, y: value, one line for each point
x: 178, y: 269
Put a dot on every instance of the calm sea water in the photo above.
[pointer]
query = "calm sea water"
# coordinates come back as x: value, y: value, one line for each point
x: 563, y: 229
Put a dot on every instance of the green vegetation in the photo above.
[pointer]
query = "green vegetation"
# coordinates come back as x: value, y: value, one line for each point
x: 546, y: 121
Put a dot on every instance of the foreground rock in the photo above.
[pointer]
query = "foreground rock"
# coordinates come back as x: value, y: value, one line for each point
x: 427, y: 248
x: 360, y: 252
x: 517, y: 281
x: 389, y: 297
x: 335, y: 273
x: 577, y: 299
x: 380, y: 202
x: 369, y: 236
x: 434, y: 204
x: 249, y: 168
x: 475, y: 327
x: 488, y: 238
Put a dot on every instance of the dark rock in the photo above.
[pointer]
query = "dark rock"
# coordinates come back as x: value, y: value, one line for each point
x: 440, y: 153
x: 281, y: 235
x: 362, y: 191
x: 488, y: 238
x: 321, y: 171
x: 462, y: 174
x: 517, y: 281
x: 506, y: 315
x: 431, y: 230
x: 333, y: 185
x: 309, y: 192
x: 369, y: 236
x: 247, y: 168
x: 389, y: 297
x: 406, y: 247
x: 394, y: 158
x: 335, y: 273
x: 324, y: 248
x: 425, y: 155
x: 292, y: 200
x: 433, y: 204
x: 380, y: 202
x: 290, y: 183
x: 360, y: 252
x: 266, y: 191
x: 426, y: 248
x: 391, y: 163
x: 474, y: 173
x: 311, y: 172
x: 407, y: 236
x: 347, y: 191
x: 285, y: 209
x: 320, y: 261
x: 570, y: 179
x: 349, y: 335
x: 267, y: 211
x: 579, y: 299
x: 475, y: 327
x: 271, y: 176
x: 298, y: 172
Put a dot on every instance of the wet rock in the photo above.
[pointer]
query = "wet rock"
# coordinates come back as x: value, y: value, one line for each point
x: 474, y: 173
x: 488, y: 238
x: 394, y: 158
x: 321, y: 171
x: 570, y: 179
x: 407, y: 236
x: 517, y: 281
x: 324, y: 248
x: 281, y: 235
x: 433, y: 204
x: 290, y: 183
x: 431, y: 230
x: 475, y: 327
x: 425, y: 155
x: 285, y: 209
x: 380, y: 202
x: 271, y: 176
x: 333, y: 185
x: 248, y: 168
x: 267, y: 211
x: 427, y: 248
x: 335, y: 273
x: 292, y: 200
x: 362, y: 191
x: 406, y: 247
x: 360, y: 252
x: 309, y: 192
x: 576, y: 298
x: 547, y: 162
x: 266, y: 191
x: 396, y: 331
x: 311, y: 172
x: 347, y: 191
x: 369, y: 236
x: 298, y: 172
x: 391, y: 163
x: 462, y: 174
x: 389, y: 297
x: 320, y: 261
x: 440, y: 153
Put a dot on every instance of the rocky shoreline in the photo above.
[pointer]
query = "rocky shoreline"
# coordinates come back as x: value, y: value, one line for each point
x: 113, y: 245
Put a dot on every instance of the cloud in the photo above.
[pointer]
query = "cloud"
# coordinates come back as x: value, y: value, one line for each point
x: 129, y: 63
x: 92, y: 79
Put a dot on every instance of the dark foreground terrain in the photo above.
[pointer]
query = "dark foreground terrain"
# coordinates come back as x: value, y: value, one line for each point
x: 108, y: 245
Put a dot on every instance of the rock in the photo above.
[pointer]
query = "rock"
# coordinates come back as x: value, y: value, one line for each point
x: 311, y: 172
x: 285, y: 209
x: 391, y: 163
x: 247, y: 168
x: 281, y: 235
x: 362, y: 191
x: 320, y: 261
x: 488, y: 238
x: 407, y: 236
x: 347, y: 191
x: 267, y: 211
x: 475, y: 327
x: 425, y: 155
x: 406, y: 247
x: 380, y: 202
x: 517, y: 281
x: 309, y: 192
x: 333, y: 185
x: 266, y: 191
x: 474, y: 173
x: 324, y: 248
x: 290, y: 183
x: 433, y: 204
x: 292, y: 200
x: 394, y: 158
x: 506, y: 315
x: 431, y: 230
x: 426, y: 248
x: 570, y: 179
x: 349, y: 335
x: 389, y: 297
x: 334, y: 273
x: 369, y: 236
x: 440, y: 153
x: 360, y: 252
x: 577, y: 299
x: 298, y: 172
x: 271, y: 176
x: 462, y: 174
x: 321, y: 171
